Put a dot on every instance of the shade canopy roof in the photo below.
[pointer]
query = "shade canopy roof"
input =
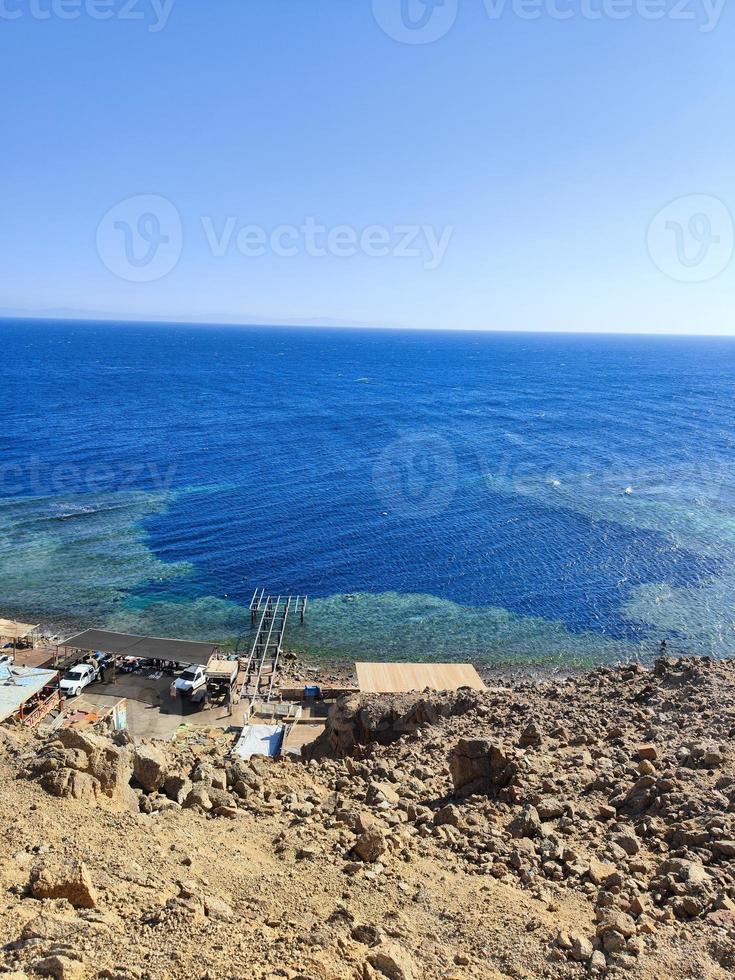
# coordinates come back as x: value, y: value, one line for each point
x: 18, y: 684
x: 399, y: 678
x: 16, y: 630
x: 148, y: 647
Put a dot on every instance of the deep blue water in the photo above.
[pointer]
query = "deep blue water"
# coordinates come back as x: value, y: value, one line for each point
x: 500, y: 497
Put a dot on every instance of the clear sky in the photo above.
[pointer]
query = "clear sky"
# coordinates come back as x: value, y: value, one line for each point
x: 276, y: 159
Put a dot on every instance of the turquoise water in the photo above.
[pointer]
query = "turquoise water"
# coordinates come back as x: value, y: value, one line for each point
x: 500, y: 498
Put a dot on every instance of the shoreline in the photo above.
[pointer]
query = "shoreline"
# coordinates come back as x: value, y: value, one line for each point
x: 339, y: 668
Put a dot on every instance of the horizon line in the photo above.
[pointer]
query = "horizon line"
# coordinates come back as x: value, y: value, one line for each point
x: 325, y: 325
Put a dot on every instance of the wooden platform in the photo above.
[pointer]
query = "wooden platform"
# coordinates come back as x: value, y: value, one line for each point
x: 400, y: 678
x: 37, y: 657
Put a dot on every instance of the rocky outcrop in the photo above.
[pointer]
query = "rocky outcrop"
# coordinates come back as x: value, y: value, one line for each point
x: 357, y: 721
x: 86, y: 766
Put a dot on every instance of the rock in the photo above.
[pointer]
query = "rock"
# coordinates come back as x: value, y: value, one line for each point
x: 530, y: 736
x: 392, y: 961
x: 90, y: 768
x: 378, y: 792
x: 613, y: 941
x: 723, y: 918
x: 230, y: 812
x: 550, y: 808
x: 218, y: 910
x: 600, y: 871
x: 628, y: 842
x: 725, y: 847
x: 598, y: 964
x: 177, y: 787
x: 448, y: 815
x: 364, y: 821
x: 219, y: 797
x: 648, y: 752
x: 219, y: 779
x: 370, y: 844
x: 478, y: 766
x: 53, y: 927
x: 712, y: 757
x: 198, y: 796
x: 616, y: 921
x: 581, y: 949
x: 527, y: 823
x: 60, y: 967
x: 149, y: 767
x: 71, y: 882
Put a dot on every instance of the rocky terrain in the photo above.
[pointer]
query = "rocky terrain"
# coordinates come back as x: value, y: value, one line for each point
x: 570, y: 828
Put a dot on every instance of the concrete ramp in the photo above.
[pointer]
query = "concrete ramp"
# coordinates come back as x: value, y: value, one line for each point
x: 259, y: 740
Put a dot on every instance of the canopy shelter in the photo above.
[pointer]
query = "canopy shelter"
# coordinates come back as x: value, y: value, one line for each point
x: 14, y: 630
x: 18, y: 685
x: 402, y: 678
x: 145, y: 647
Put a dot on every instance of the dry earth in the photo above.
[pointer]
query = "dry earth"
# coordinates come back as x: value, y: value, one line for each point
x: 560, y: 829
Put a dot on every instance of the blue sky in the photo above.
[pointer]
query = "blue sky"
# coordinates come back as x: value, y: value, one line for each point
x: 520, y: 171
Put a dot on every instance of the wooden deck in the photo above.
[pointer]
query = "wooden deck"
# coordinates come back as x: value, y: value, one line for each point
x: 375, y: 678
x: 37, y: 657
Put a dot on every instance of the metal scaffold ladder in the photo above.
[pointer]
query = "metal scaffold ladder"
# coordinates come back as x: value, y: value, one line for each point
x: 269, y: 615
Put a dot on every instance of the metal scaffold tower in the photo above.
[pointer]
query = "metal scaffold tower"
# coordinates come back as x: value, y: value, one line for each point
x: 269, y: 615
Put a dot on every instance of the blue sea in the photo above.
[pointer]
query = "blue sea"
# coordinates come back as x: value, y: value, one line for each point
x: 507, y: 499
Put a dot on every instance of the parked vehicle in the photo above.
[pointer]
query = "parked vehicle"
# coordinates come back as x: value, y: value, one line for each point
x: 222, y: 680
x: 77, y: 678
x: 191, y: 680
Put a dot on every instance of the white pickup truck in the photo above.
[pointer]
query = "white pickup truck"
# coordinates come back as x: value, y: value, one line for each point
x: 191, y: 680
x: 77, y: 678
x: 216, y: 681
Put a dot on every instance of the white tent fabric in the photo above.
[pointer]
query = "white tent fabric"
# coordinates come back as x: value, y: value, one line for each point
x: 259, y: 740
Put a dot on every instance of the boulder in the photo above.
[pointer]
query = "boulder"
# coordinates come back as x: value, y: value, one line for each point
x: 69, y: 881
x: 581, y: 950
x: 616, y: 921
x: 550, y: 808
x: 392, y: 961
x: 628, y: 842
x: 88, y: 767
x: 370, y: 844
x: 60, y: 967
x: 149, y: 767
x: 177, y: 787
x: 527, y: 823
x: 198, y: 796
x: 448, y: 815
x: 479, y: 766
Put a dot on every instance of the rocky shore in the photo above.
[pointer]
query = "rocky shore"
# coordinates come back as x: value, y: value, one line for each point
x: 564, y: 828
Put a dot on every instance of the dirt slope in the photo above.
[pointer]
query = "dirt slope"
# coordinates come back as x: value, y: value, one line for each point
x: 562, y: 829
